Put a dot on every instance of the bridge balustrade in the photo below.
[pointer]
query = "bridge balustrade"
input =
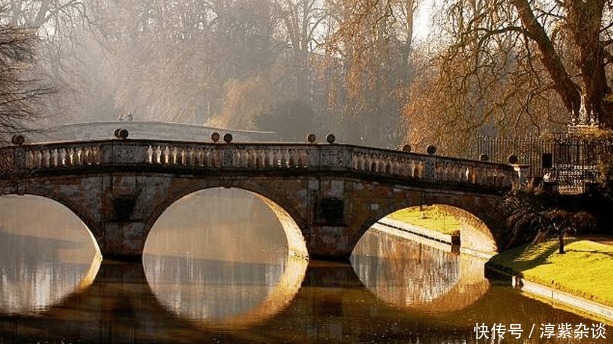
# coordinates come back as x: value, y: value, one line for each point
x: 178, y: 155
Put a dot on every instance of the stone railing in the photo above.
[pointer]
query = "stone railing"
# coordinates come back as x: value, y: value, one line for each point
x: 177, y: 155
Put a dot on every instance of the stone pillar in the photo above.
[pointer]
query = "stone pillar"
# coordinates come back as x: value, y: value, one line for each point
x: 522, y: 171
x: 123, y: 240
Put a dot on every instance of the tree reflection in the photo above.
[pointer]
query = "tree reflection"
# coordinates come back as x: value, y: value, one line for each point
x: 44, y: 256
x: 218, y: 294
x: 407, y: 274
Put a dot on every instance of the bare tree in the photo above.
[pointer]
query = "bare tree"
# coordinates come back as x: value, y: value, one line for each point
x: 533, y: 65
x: 20, y: 91
x: 370, y: 42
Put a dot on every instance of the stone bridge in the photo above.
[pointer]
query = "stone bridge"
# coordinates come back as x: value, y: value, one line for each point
x: 325, y: 195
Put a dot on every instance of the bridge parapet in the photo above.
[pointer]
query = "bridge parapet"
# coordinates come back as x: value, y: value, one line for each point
x: 257, y: 157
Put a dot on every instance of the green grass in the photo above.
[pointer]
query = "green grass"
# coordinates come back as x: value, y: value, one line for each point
x: 431, y: 217
x: 585, y: 270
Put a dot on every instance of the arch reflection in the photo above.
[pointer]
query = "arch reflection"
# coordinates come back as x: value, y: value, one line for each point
x: 407, y: 274
x: 224, y: 258
x: 46, y: 253
x: 230, y: 295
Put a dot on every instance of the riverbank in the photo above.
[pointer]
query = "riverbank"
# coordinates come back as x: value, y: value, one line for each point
x: 579, y: 280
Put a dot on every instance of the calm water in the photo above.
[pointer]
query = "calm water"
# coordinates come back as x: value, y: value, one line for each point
x: 191, y: 289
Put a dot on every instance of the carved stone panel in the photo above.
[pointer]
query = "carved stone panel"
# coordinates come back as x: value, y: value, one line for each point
x: 331, y: 158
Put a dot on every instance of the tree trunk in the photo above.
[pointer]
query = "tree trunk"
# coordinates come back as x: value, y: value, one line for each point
x: 584, y: 22
x: 561, y: 240
x: 562, y: 82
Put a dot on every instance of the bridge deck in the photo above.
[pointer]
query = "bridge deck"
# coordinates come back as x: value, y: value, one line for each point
x: 249, y: 158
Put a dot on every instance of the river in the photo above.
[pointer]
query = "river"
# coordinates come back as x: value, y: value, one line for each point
x: 207, y: 278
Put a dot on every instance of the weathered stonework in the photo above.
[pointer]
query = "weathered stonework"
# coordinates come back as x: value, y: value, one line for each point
x: 333, y: 194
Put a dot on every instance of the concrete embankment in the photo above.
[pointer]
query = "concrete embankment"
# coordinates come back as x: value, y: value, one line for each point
x: 444, y: 242
x: 552, y: 296
x: 541, y: 292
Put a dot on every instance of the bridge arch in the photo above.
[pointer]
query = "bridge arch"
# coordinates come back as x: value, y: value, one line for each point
x: 70, y: 207
x: 477, y: 214
x: 286, y: 215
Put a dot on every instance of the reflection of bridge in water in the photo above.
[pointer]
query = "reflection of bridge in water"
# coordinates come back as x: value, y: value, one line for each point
x: 331, y: 304
x: 326, y: 196
x: 411, y: 275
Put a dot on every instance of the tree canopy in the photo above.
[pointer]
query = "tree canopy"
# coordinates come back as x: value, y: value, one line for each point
x: 500, y: 67
x: 512, y: 67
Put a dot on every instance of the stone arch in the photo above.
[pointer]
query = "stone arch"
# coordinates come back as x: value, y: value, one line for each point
x: 477, y: 209
x: 286, y: 215
x: 91, y: 226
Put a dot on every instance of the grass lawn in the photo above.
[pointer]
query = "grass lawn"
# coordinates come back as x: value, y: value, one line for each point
x: 585, y: 270
x: 430, y: 217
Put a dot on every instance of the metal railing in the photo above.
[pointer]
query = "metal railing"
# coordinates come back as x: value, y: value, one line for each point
x: 569, y: 160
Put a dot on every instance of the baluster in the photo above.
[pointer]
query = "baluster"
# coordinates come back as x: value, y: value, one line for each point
x: 29, y: 159
x: 181, y: 156
x: 284, y: 163
x: 361, y: 162
x: 291, y: 158
x: 410, y: 167
x: 237, y: 156
x: 270, y: 158
x: 38, y: 159
x: 198, y: 157
x: 149, y: 155
x: 297, y: 158
x: 193, y: 156
x: 462, y: 173
x: 419, y: 170
x: 388, y: 165
x: 367, y: 163
x: 77, y: 159
x: 70, y: 156
x: 444, y: 171
x: 53, y: 160
x: 95, y: 154
x: 245, y: 157
x: 157, y: 155
x: 208, y: 158
x: 260, y: 158
x: 277, y: 158
x: 62, y: 157
x: 251, y: 157
x: 86, y: 155
x: 216, y: 158
x: 164, y: 155
x: 46, y: 156
x: 172, y: 158
x: 395, y: 166
x: 184, y: 156
x: 375, y: 163
x: 189, y: 156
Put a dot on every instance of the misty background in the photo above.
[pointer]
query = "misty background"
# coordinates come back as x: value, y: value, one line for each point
x: 375, y: 73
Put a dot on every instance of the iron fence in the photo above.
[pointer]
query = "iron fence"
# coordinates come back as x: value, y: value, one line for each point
x: 568, y: 159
